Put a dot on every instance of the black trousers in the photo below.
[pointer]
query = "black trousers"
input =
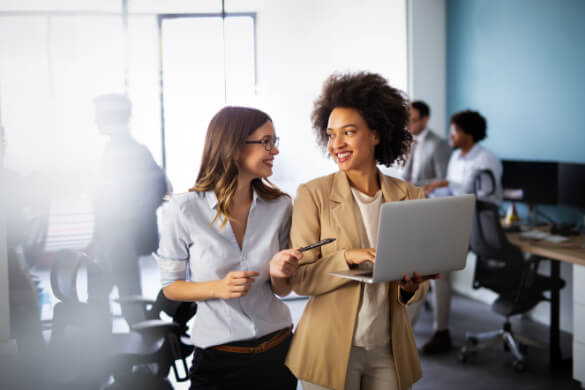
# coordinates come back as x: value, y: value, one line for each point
x: 219, y: 370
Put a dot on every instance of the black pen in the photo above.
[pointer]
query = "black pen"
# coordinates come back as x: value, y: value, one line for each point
x: 317, y: 244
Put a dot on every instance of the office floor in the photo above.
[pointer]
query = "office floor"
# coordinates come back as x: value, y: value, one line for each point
x: 490, y: 369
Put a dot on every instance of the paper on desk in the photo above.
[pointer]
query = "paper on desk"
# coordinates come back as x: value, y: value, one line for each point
x: 540, y: 235
x: 535, y: 234
x: 556, y: 239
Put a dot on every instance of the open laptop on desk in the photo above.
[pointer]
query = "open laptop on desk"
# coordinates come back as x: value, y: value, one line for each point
x: 428, y: 236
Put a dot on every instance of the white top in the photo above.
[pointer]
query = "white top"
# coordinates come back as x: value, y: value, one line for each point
x: 462, y: 170
x: 192, y: 249
x: 372, y: 327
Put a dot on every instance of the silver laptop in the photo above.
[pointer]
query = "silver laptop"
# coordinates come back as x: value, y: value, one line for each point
x: 428, y: 236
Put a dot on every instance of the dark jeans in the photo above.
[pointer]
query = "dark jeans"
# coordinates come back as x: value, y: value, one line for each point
x: 219, y: 370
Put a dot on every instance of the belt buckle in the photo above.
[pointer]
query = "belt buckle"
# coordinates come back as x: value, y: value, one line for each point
x: 260, y: 348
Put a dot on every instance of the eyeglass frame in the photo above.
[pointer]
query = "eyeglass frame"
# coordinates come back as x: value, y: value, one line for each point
x: 268, y: 142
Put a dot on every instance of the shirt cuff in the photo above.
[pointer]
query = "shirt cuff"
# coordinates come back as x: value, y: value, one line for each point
x: 171, y: 269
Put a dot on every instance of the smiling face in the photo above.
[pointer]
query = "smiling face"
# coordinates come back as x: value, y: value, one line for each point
x: 254, y: 160
x: 351, y: 141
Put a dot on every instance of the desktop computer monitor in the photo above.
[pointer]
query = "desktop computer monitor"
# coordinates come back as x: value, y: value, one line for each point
x: 533, y: 182
x: 571, y: 184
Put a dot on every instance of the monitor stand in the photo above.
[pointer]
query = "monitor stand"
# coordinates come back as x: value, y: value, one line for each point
x: 533, y: 213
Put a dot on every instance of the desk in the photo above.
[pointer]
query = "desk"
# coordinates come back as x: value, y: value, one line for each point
x: 571, y: 251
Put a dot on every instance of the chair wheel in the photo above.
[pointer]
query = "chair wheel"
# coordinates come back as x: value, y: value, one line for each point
x: 462, y: 356
x: 519, y: 366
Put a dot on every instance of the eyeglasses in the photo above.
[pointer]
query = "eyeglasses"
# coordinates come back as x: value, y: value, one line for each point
x: 268, y: 142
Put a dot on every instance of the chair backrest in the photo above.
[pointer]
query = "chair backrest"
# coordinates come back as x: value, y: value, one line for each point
x: 80, y: 331
x: 180, y: 312
x: 499, y: 264
x: 488, y: 238
x: 478, y: 182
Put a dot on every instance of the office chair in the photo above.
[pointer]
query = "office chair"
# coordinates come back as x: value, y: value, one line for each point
x: 178, y: 345
x: 502, y: 268
x: 85, y: 354
x: 80, y: 331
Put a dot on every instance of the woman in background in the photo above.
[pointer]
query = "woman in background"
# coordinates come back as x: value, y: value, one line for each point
x: 223, y: 245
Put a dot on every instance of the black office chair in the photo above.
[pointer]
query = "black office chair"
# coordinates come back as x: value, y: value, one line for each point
x: 80, y: 331
x: 178, y: 344
x: 502, y: 268
x: 87, y: 355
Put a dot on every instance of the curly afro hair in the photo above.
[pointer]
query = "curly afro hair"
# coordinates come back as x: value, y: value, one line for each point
x: 471, y: 122
x: 384, y: 108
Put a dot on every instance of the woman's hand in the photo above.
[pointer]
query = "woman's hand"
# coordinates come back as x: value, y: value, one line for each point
x: 427, y: 189
x: 410, y: 284
x: 282, y: 266
x: 235, y: 284
x: 285, y: 263
x: 359, y: 255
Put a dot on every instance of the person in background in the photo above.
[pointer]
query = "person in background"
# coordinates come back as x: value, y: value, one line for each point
x: 129, y: 188
x: 426, y: 163
x: 430, y: 153
x: 468, y: 129
x: 354, y: 335
x: 25, y: 318
x: 223, y: 245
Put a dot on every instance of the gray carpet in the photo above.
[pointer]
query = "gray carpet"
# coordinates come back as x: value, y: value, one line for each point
x: 490, y: 368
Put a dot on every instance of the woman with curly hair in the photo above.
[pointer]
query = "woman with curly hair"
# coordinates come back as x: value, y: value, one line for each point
x: 354, y: 335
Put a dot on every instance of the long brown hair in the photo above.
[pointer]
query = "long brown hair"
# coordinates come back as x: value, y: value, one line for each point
x: 226, y: 134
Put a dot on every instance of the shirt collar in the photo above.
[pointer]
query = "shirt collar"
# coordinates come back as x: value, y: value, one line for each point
x: 212, y: 198
x: 472, y: 152
x: 421, y: 135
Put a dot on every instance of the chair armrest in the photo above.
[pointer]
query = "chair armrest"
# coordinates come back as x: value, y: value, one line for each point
x: 154, y: 327
x: 138, y: 299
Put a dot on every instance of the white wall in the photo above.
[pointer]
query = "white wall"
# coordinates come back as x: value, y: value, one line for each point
x: 300, y: 43
x: 427, y: 53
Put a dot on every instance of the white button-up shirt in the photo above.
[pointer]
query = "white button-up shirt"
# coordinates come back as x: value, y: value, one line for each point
x: 193, y: 249
x: 461, y: 173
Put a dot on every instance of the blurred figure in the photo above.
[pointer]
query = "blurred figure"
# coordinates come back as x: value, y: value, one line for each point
x: 426, y: 163
x: 468, y: 128
x: 129, y: 188
x: 430, y: 153
x: 25, y: 322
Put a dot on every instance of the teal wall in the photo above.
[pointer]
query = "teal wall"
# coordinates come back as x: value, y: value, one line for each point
x: 521, y: 63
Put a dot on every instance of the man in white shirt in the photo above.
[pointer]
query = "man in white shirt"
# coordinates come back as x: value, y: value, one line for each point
x: 468, y: 128
x: 430, y: 153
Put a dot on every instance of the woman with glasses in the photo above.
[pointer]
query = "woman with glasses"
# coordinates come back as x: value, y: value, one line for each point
x: 223, y: 246
x: 354, y: 335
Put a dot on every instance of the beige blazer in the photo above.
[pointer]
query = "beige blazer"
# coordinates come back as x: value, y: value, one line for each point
x: 320, y: 348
